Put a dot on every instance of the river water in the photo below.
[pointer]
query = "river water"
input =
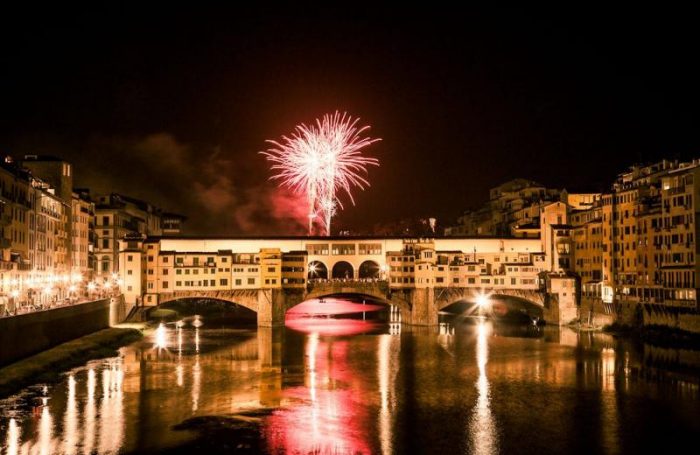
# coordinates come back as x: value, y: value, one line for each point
x: 357, y: 387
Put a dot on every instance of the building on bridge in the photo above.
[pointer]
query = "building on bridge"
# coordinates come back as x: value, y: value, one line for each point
x: 286, y: 270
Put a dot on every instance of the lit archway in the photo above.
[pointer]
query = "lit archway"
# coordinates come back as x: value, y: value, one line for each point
x: 204, y: 308
x: 318, y: 270
x: 343, y: 270
x: 369, y: 269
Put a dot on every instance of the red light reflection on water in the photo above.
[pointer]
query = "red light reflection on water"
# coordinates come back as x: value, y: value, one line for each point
x: 323, y: 415
x: 332, y: 327
x: 330, y: 306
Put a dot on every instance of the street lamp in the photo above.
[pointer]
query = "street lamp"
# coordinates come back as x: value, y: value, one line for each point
x: 313, y: 268
x: 482, y: 303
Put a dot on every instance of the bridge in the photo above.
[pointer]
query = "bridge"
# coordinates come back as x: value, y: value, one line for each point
x: 418, y: 306
x: 419, y: 276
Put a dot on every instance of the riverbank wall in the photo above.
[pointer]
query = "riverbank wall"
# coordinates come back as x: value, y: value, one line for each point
x: 634, y: 314
x: 48, y: 365
x: 28, y: 334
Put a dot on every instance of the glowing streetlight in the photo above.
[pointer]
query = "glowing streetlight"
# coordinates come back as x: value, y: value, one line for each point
x: 14, y: 294
x: 48, y: 290
x: 482, y: 300
x: 72, y: 288
x: 91, y: 286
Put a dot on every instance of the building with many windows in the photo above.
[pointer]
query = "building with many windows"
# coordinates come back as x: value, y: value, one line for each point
x: 49, y: 231
x: 117, y: 215
x: 635, y: 243
x: 83, y: 234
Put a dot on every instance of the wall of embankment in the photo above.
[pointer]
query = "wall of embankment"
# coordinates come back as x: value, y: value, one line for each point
x: 595, y: 312
x: 27, y: 334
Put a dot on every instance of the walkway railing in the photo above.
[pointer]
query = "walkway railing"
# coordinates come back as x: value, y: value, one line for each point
x: 25, y: 308
x: 346, y: 280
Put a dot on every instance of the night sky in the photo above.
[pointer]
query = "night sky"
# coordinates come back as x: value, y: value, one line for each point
x: 173, y: 106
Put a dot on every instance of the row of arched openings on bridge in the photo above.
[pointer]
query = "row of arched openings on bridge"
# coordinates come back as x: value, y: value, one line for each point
x: 343, y: 270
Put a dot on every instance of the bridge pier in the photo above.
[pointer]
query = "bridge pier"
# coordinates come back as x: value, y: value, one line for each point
x: 272, y: 306
x: 270, y: 341
x: 424, y: 308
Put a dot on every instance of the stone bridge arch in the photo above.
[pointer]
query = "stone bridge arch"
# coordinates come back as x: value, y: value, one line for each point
x: 445, y: 297
x: 246, y: 298
x: 378, y: 290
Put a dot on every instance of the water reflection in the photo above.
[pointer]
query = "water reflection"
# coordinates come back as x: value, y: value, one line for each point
x: 327, y: 414
x: 90, y: 413
x: 347, y: 390
x: 111, y: 409
x: 608, y: 397
x: 334, y: 327
x: 482, y: 426
x: 71, y: 435
x: 161, y: 337
x: 13, y: 435
x: 46, y: 441
x: 387, y: 368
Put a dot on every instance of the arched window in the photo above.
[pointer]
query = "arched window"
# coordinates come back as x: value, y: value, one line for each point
x: 317, y: 270
x: 343, y: 270
x: 369, y: 269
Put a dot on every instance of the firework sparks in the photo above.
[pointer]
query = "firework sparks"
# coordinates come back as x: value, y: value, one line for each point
x: 321, y: 161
